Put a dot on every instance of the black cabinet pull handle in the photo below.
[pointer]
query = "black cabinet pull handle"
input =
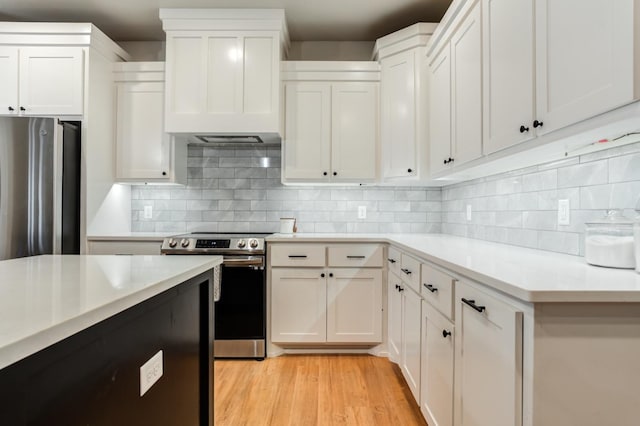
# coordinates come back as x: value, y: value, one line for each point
x: 330, y: 274
x: 401, y: 288
x: 391, y: 260
x: 297, y: 256
x: 321, y: 275
x: 355, y: 257
x: 446, y: 333
x: 430, y: 287
x: 11, y: 108
x: 324, y: 173
x: 537, y: 124
x: 523, y: 129
x: 451, y: 160
x: 472, y: 303
x: 406, y: 271
x: 445, y: 162
x: 23, y: 109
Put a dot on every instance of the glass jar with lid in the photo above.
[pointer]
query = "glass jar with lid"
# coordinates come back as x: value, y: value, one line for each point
x: 609, y: 241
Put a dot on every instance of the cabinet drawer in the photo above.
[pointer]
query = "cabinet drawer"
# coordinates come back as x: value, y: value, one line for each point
x: 437, y: 289
x: 124, y: 247
x: 410, y: 272
x: 297, y: 255
x: 356, y: 255
x: 393, y: 260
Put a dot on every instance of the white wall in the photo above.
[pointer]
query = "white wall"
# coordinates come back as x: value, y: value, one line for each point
x: 331, y: 51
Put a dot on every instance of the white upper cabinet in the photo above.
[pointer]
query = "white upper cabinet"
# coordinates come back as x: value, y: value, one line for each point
x: 404, y: 102
x: 8, y: 80
x: 440, y: 111
x: 508, y: 114
x: 144, y: 152
x: 455, y: 96
x: 466, y: 89
x: 307, y: 131
x: 223, y: 69
x: 41, y: 80
x: 330, y: 122
x: 585, y: 59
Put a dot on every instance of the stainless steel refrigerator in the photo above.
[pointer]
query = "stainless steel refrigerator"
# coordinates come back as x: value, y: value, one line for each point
x: 39, y: 187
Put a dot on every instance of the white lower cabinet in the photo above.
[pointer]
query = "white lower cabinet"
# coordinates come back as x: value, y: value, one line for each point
x: 436, y: 391
x: 326, y: 304
x: 299, y: 305
x: 488, y: 359
x: 411, y: 330
x: 354, y: 300
x: 394, y: 318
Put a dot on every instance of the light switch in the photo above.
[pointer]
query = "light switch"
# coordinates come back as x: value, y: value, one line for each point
x: 564, y: 212
x: 362, y: 212
x: 468, y: 211
x: 148, y: 212
x: 150, y: 372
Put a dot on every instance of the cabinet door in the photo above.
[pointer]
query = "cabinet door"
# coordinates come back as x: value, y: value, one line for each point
x: 354, y: 305
x: 394, y: 318
x: 398, y: 119
x: 307, y: 140
x: 51, y: 80
x: 440, y: 111
x: 436, y: 384
x: 411, y: 333
x: 354, y: 131
x: 298, y: 305
x: 488, y: 359
x: 584, y: 59
x: 143, y: 148
x: 466, y: 88
x: 223, y: 81
x: 508, y: 73
x: 8, y: 80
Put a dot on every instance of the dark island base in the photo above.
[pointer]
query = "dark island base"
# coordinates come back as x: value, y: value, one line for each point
x: 93, y: 377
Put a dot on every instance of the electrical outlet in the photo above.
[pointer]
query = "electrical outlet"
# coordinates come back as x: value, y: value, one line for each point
x: 148, y: 212
x: 362, y: 212
x: 150, y: 372
x: 468, y: 211
x: 564, y: 212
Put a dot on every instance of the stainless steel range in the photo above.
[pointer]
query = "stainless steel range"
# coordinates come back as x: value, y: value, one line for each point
x: 240, y: 306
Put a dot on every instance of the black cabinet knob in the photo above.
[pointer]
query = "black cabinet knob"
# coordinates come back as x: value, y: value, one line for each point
x: 23, y: 109
x: 164, y: 173
x: 322, y: 275
x: 324, y: 173
x: 537, y: 124
x: 11, y: 108
x: 331, y: 274
x: 409, y: 170
x: 335, y: 173
x: 446, y: 333
x: 523, y: 129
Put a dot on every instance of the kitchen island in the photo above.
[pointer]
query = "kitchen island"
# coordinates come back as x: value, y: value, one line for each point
x: 76, y: 331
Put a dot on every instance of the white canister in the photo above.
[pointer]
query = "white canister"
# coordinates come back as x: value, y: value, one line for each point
x: 636, y: 237
x: 287, y: 225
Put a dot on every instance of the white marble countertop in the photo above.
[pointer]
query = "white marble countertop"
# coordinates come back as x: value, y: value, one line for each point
x: 526, y: 274
x: 131, y: 236
x: 44, y: 299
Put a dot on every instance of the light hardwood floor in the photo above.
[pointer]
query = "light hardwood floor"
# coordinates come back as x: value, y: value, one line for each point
x: 304, y: 390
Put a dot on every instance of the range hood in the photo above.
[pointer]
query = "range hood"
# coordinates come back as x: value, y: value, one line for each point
x: 235, y: 140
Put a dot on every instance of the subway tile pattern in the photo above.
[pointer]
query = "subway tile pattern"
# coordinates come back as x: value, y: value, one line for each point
x: 520, y: 207
x: 239, y: 190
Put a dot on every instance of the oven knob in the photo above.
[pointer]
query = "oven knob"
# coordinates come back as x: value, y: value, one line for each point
x: 242, y: 244
x: 172, y: 243
x: 253, y: 243
x: 184, y: 243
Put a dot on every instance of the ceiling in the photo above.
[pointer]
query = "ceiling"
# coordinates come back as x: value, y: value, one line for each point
x: 308, y: 20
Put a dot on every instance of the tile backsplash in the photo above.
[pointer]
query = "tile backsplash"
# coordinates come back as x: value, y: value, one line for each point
x: 521, y: 207
x: 239, y: 189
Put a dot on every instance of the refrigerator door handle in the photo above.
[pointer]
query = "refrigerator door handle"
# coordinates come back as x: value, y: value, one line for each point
x: 58, y: 139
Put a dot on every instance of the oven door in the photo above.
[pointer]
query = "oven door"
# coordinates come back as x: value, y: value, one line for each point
x: 240, y: 311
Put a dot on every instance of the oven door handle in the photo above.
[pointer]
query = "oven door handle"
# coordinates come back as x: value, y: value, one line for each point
x: 241, y: 262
